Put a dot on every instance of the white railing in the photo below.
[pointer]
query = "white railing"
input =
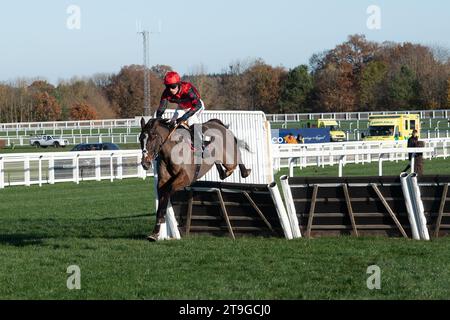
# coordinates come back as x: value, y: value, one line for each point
x: 134, y: 122
x: 77, y: 138
x: 16, y: 133
x: 40, y: 168
x: 81, y: 124
x: 296, y: 117
x: 329, y: 154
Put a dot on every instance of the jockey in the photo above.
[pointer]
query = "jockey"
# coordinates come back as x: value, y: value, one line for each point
x: 188, y: 99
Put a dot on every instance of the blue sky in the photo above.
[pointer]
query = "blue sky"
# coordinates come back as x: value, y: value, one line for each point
x: 35, y: 41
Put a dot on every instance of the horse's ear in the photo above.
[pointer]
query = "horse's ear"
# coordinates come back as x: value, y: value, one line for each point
x: 142, y: 123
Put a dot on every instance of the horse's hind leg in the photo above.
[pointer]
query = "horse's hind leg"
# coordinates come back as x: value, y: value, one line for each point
x: 244, y: 171
x: 229, y: 170
x: 221, y: 171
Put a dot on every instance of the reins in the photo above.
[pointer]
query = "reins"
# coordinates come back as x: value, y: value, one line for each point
x: 166, y: 139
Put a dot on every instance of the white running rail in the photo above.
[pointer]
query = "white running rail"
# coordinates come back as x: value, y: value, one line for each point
x: 25, y: 169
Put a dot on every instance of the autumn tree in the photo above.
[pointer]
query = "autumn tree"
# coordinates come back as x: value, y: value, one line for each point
x: 82, y: 111
x: 41, y: 86
x: 337, y: 73
x: 101, y: 80
x: 233, y: 86
x: 334, y: 90
x: 46, y: 108
x: 448, y: 93
x: 126, y: 91
x: 85, y: 91
x: 424, y: 66
x: 264, y: 86
x: 206, y: 84
x: 160, y: 70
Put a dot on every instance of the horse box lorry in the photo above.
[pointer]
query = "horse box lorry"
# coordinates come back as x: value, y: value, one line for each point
x: 392, y: 127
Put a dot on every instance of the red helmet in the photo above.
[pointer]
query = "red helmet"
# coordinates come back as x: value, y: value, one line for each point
x: 172, y: 78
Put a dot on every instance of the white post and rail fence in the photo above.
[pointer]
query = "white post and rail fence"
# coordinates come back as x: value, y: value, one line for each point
x: 25, y: 169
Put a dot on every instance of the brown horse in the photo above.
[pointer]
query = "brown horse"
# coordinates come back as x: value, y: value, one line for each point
x: 177, y: 165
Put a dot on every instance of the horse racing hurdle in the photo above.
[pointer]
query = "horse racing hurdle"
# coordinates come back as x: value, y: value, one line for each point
x: 231, y: 209
x: 315, y: 206
x: 370, y: 205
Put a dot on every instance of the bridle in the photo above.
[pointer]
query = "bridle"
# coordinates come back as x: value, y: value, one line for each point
x: 156, y: 150
x: 163, y: 142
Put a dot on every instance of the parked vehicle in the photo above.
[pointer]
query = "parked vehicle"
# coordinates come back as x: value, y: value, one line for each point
x: 95, y: 146
x: 336, y: 134
x: 392, y: 127
x: 46, y: 141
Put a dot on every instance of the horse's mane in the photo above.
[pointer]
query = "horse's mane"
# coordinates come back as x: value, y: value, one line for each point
x: 166, y: 123
x: 160, y: 121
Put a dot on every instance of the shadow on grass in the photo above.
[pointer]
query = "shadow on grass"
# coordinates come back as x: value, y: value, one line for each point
x: 26, y: 232
x: 128, y: 217
x: 20, y: 240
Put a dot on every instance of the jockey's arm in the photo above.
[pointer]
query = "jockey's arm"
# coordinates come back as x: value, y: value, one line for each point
x: 196, y: 103
x: 162, y: 107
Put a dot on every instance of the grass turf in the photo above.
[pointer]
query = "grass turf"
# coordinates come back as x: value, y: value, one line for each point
x: 101, y: 227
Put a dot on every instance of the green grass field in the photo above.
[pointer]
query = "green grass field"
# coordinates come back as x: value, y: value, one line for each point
x: 101, y: 227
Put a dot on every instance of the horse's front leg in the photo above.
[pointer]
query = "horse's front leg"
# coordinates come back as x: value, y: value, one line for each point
x: 174, y: 184
x: 160, y: 215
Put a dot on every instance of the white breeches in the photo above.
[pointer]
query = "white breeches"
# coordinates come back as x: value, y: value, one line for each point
x: 194, y: 119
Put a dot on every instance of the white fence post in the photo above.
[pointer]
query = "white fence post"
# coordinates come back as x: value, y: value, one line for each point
x: 380, y: 165
x: 98, y: 173
x: 40, y: 171
x: 2, y: 174
x: 119, y: 167
x: 51, y: 170
x: 26, y: 168
x: 76, y: 169
x: 111, y: 167
x: 291, y: 167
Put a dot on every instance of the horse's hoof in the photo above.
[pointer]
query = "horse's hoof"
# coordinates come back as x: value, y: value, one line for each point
x: 152, y: 238
x: 246, y: 173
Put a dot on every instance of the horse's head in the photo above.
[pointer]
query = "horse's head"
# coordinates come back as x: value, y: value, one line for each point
x: 152, y: 137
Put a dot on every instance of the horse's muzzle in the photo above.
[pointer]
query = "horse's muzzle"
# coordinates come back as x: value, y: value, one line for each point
x: 146, y: 162
x: 145, y: 165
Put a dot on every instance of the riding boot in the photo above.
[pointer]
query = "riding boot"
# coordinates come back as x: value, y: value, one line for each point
x: 198, y: 142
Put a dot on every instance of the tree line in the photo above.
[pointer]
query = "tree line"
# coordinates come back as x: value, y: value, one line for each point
x: 357, y: 75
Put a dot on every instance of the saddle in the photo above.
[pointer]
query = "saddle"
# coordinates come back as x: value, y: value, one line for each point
x: 190, y: 129
x: 202, y: 152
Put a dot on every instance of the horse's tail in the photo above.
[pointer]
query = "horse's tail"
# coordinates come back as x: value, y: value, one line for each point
x: 243, y: 144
